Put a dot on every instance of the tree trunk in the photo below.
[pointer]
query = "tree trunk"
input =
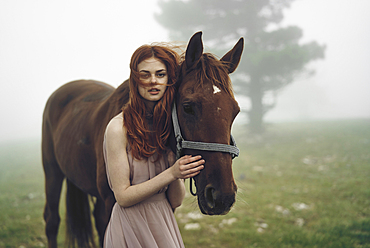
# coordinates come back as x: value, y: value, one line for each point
x: 256, y: 113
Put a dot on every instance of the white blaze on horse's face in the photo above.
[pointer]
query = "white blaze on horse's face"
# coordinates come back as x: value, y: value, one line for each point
x: 216, y: 90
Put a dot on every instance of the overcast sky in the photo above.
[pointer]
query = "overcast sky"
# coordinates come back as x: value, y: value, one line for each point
x: 341, y: 86
x: 44, y: 44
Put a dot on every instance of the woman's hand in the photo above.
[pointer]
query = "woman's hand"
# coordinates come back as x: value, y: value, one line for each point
x: 187, y: 166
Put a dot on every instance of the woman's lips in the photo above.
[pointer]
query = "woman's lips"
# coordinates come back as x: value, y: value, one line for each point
x: 154, y: 91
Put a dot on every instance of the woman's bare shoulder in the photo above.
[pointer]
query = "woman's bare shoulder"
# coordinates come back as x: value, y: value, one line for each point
x: 115, y: 126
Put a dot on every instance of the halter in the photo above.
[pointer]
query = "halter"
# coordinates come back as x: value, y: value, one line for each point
x: 196, y: 145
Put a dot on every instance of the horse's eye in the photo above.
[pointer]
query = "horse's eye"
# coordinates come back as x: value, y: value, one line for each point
x: 188, y: 109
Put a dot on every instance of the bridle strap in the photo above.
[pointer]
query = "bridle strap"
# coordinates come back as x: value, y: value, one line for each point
x: 214, y: 147
x: 195, y: 145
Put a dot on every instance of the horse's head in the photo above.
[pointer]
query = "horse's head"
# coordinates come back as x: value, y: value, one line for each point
x: 206, y: 109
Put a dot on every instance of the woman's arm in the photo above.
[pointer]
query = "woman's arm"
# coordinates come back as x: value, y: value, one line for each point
x: 119, y: 171
x: 176, y: 190
x: 176, y: 193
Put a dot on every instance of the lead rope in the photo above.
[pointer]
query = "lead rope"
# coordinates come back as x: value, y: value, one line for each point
x: 191, y: 187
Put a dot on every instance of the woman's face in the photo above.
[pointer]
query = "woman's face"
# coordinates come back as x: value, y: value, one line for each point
x: 153, y: 74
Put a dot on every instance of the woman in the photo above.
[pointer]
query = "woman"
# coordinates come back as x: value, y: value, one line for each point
x: 146, y: 180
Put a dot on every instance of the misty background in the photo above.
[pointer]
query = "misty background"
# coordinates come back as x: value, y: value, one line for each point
x: 44, y: 44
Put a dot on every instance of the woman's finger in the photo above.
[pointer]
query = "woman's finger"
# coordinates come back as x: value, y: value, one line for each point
x: 192, y: 170
x: 189, y: 159
x: 191, y: 175
x: 192, y: 165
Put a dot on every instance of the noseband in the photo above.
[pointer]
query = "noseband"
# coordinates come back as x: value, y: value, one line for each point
x: 196, y: 145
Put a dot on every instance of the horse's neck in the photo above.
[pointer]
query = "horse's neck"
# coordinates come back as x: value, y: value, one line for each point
x: 119, y: 97
x: 110, y: 107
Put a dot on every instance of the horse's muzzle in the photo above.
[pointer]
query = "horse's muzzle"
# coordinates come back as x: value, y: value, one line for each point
x: 214, y: 202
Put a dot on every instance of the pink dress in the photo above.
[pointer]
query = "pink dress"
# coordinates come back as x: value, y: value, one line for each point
x: 150, y: 223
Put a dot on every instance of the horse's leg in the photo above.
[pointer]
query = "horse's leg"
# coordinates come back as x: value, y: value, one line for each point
x: 53, y: 186
x: 100, y: 223
x: 102, y: 212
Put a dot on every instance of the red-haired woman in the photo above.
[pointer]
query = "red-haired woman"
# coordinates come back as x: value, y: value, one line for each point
x: 142, y: 171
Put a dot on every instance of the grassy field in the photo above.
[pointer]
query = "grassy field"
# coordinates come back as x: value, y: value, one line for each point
x: 300, y: 185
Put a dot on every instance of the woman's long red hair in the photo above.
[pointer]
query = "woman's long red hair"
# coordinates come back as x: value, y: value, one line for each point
x: 143, y: 141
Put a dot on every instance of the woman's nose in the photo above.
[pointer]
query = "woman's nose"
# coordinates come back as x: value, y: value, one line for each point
x: 153, y: 79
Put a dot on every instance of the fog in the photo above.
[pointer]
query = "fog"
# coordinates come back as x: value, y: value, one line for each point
x: 341, y: 86
x: 44, y: 44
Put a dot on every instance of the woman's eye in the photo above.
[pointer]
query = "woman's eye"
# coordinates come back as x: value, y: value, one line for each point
x: 144, y: 76
x: 161, y: 75
x: 188, y: 109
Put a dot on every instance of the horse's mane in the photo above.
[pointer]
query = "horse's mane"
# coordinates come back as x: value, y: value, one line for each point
x: 209, y: 68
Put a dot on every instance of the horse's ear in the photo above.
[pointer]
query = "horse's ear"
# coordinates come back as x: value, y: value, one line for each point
x: 194, y: 50
x: 234, y: 55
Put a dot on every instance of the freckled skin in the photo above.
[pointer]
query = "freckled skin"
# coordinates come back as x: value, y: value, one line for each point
x: 152, y: 73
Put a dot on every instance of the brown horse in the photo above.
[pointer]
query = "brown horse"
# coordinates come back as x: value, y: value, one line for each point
x: 74, y: 122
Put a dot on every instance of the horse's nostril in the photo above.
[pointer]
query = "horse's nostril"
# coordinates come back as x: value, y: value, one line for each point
x: 210, y: 196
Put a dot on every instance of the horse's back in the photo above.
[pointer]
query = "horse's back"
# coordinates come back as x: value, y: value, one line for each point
x: 69, y: 128
x: 75, y: 93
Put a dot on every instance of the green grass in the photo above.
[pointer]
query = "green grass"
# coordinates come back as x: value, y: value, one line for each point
x: 323, y: 166
x: 21, y: 195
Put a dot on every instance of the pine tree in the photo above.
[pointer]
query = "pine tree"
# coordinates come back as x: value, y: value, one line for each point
x: 272, y: 57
